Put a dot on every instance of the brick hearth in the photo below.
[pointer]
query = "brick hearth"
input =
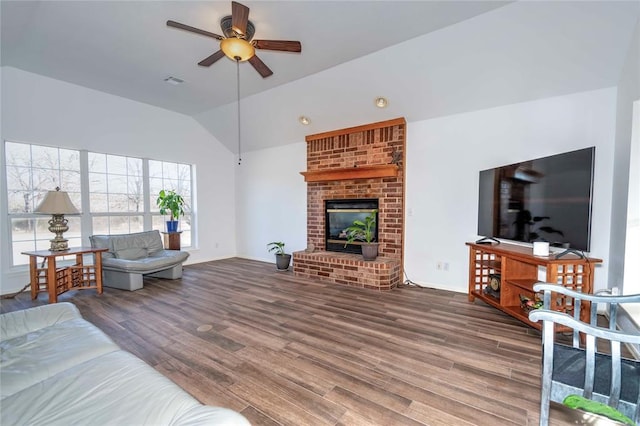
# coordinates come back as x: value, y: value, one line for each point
x: 359, y: 162
x: 349, y: 269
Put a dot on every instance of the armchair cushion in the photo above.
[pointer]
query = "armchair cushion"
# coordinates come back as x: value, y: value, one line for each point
x: 598, y: 408
x: 133, y: 253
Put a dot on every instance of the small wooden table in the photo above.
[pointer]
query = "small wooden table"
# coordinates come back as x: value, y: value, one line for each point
x: 172, y: 240
x: 56, y: 281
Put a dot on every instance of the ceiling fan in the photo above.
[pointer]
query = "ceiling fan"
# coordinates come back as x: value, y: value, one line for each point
x: 237, y: 42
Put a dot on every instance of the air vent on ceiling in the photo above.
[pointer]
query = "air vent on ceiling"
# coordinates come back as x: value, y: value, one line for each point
x: 173, y: 80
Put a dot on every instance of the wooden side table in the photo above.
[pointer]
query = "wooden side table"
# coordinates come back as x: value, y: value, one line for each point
x: 172, y: 240
x: 58, y: 280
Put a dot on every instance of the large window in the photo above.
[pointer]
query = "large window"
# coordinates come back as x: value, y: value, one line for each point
x: 33, y: 170
x: 117, y: 196
x: 176, y: 177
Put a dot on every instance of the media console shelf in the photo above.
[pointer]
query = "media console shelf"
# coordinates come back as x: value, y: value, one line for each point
x: 517, y: 270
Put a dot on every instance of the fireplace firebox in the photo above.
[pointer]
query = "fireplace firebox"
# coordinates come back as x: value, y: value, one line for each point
x: 339, y: 215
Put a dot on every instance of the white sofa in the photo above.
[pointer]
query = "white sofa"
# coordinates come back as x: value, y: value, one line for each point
x: 58, y: 369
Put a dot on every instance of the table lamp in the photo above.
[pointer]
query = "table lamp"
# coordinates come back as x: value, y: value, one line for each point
x: 57, y: 203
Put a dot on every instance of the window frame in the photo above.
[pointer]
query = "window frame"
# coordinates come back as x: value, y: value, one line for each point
x: 87, y: 217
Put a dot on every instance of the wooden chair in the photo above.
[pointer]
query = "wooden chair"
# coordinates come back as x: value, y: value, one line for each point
x: 567, y: 370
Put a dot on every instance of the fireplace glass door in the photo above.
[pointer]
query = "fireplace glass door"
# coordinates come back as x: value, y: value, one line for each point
x: 339, y: 215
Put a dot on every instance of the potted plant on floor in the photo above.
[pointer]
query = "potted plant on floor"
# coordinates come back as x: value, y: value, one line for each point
x: 171, y: 203
x: 365, y: 232
x: 282, y: 259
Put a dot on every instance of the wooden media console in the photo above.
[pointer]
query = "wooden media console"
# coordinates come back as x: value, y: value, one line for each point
x: 513, y: 269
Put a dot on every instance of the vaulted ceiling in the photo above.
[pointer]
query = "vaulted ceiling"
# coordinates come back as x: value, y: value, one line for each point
x: 429, y: 58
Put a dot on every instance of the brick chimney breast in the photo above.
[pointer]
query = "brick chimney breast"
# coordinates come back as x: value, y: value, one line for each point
x: 359, y: 162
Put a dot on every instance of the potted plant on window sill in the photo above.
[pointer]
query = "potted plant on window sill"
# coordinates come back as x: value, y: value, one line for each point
x: 365, y: 232
x: 171, y: 203
x: 282, y: 259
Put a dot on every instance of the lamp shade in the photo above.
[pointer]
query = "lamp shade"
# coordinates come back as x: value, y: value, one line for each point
x: 237, y: 49
x: 56, y: 202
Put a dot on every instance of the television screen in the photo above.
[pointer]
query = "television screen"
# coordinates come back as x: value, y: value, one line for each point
x: 546, y: 199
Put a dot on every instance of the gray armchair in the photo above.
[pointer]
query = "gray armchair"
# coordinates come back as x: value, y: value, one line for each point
x: 567, y: 370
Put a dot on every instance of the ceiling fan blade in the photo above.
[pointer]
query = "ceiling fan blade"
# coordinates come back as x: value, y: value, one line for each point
x: 175, y: 24
x: 239, y: 17
x: 281, y: 45
x: 210, y: 60
x: 260, y: 66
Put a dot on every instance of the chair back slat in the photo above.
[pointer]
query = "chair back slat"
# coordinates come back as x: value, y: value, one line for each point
x: 576, y: 316
x: 590, y: 367
x: 593, y: 317
x: 613, y: 316
x: 547, y: 366
x: 616, y: 375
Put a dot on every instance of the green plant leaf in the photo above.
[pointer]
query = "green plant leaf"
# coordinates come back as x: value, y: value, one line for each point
x: 362, y: 231
x: 170, y: 202
x: 276, y: 246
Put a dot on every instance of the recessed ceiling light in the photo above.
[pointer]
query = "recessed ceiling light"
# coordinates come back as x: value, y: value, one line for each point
x: 173, y: 80
x: 304, y: 120
x: 381, y: 102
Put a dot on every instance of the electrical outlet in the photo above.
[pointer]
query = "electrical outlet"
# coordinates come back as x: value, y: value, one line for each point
x: 445, y: 266
x: 439, y: 265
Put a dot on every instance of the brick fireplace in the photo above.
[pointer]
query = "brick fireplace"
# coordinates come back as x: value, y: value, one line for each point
x: 364, y: 162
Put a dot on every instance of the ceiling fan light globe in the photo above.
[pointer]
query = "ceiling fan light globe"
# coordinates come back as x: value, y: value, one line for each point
x: 237, y: 49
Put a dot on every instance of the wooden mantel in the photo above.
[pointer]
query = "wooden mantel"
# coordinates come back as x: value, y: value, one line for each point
x: 359, y: 172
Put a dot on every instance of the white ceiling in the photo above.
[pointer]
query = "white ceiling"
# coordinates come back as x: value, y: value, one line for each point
x: 429, y: 58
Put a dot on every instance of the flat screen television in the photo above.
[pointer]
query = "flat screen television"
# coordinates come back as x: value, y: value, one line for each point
x: 546, y: 199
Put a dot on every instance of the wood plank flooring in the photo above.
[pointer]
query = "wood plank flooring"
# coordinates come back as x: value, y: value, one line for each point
x: 288, y: 351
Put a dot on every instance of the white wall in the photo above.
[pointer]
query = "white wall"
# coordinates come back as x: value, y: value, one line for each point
x: 45, y: 111
x: 626, y: 233
x: 3, y: 198
x: 444, y: 156
x: 631, y: 284
x: 628, y: 92
x: 272, y: 201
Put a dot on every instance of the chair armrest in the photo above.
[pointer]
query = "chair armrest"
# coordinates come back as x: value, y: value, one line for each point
x: 633, y: 298
x: 567, y: 320
x: 19, y: 323
x: 558, y: 297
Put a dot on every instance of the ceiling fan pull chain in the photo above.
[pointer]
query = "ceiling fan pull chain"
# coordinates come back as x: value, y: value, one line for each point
x: 238, y: 86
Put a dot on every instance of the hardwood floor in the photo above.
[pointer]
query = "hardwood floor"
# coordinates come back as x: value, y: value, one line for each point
x: 288, y: 351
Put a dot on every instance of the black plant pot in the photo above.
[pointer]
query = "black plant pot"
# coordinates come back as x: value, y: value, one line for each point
x: 283, y: 261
